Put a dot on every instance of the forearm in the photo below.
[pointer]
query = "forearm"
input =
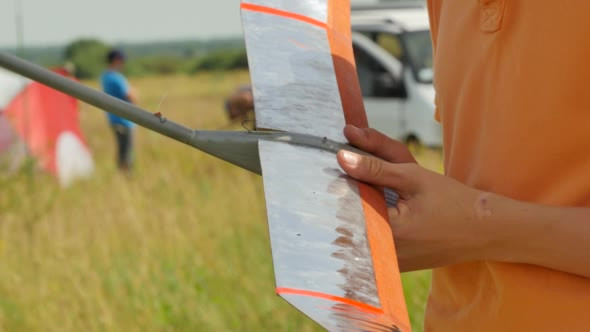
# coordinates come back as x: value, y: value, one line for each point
x: 132, y: 96
x: 552, y: 237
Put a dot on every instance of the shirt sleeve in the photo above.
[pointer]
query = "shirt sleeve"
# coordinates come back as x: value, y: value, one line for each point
x: 122, y: 85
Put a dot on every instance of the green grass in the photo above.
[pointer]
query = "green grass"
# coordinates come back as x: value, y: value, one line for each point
x: 180, y: 246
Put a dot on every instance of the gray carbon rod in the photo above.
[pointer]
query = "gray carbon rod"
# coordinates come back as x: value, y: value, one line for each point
x: 238, y: 148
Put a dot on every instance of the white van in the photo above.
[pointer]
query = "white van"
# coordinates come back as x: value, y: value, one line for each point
x: 393, y: 54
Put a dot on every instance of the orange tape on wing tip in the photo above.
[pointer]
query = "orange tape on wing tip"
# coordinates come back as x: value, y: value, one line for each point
x: 282, y: 13
x: 359, y: 305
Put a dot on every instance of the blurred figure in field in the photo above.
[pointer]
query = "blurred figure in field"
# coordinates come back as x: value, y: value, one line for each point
x: 240, y: 103
x: 115, y: 84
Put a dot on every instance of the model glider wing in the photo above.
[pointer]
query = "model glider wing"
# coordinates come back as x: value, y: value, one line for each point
x: 333, y: 250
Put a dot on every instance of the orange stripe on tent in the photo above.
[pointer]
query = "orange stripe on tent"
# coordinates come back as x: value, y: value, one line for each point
x: 359, y: 305
x: 277, y: 12
x: 387, y: 274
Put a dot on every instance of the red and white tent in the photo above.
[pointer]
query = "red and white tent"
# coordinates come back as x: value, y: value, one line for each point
x: 43, y: 122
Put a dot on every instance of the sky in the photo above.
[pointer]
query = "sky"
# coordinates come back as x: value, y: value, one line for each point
x: 50, y: 22
x: 57, y: 22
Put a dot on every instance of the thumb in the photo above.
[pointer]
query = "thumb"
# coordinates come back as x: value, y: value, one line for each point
x: 378, y: 172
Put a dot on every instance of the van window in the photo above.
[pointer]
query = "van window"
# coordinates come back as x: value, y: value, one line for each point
x: 373, y: 77
x: 390, y: 43
x: 419, y: 49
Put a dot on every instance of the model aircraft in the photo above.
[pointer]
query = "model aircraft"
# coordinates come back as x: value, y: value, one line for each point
x: 333, y: 251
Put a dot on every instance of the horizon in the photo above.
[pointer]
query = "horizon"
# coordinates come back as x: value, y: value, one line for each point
x: 124, y: 42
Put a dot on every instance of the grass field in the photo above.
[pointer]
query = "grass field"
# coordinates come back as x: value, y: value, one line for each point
x: 182, y: 245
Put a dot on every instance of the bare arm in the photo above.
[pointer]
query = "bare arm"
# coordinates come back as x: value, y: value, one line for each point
x: 132, y: 96
x: 439, y: 221
x: 553, y: 237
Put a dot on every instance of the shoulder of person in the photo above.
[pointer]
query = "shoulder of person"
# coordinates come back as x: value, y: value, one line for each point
x: 107, y: 74
x: 115, y: 76
x: 119, y: 76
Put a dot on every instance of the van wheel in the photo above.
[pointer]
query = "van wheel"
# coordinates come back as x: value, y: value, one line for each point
x: 413, y: 144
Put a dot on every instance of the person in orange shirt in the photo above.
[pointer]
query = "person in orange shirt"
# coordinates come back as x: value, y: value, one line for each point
x: 507, y: 228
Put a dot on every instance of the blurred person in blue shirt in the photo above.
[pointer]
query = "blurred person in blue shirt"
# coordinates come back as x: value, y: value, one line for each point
x: 115, y: 84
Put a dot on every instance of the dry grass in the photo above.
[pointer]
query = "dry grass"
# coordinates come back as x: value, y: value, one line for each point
x: 180, y: 246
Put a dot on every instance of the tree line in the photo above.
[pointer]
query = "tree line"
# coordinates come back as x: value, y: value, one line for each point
x: 88, y: 56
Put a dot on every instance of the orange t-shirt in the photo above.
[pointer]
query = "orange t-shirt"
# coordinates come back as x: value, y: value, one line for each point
x: 513, y: 97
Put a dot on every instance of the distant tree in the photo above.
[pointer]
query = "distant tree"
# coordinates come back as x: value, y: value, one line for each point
x: 222, y: 60
x: 88, y: 55
x: 155, y: 65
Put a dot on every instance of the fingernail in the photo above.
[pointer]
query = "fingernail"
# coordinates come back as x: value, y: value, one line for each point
x: 356, y: 130
x: 350, y: 158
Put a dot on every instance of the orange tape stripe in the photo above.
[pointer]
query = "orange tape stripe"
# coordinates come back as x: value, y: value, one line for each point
x: 359, y: 305
x: 387, y: 276
x: 277, y: 12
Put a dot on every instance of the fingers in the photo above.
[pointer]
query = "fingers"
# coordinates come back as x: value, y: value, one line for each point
x: 378, y: 172
x: 378, y: 144
x: 393, y: 213
x: 398, y: 217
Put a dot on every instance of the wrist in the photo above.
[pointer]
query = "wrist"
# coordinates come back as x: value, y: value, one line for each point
x: 486, y: 235
x: 503, y: 227
x: 474, y: 233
